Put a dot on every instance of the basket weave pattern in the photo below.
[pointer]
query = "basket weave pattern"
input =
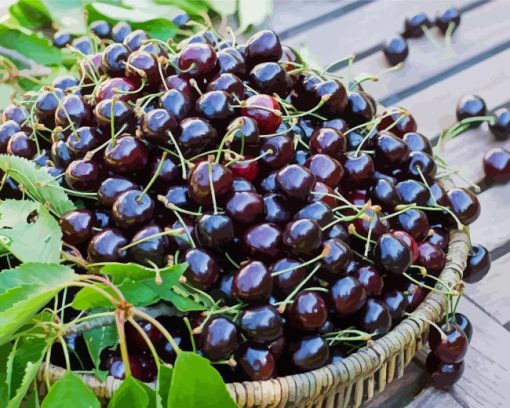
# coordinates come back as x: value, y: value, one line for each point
x: 348, y: 383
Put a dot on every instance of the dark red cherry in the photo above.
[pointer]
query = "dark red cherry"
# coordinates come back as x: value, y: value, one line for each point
x: 463, y: 322
x: 413, y: 26
x: 443, y: 375
x: 134, y: 40
x: 400, y: 121
x: 182, y: 239
x: 102, y: 219
x: 229, y: 83
x: 197, y: 59
x: 324, y: 193
x: 451, y: 345
x: 496, y: 164
x: 176, y: 103
x: 277, y: 347
x: 61, y: 39
x: 263, y: 46
x: 449, y: 17
x: 396, y: 303
x: 196, y: 136
x: 421, y: 164
x: 359, y: 109
x: 415, y: 296
x: 156, y: 124
x: 21, y: 145
x: 295, y: 181
x: 390, y: 150
x: 308, y: 311
x: 385, y: 194
x: 7, y: 130
x: 76, y: 226
x: 263, y: 240
x: 287, y: 281
x: 412, y: 191
x: 257, y: 362
x: 265, y: 110
x: 83, y: 175
x: 376, y: 318
x: 253, y: 283
x: 470, y: 106
x: 240, y: 184
x: 414, y: 222
x: 84, y: 139
x: 203, y: 270
x: 431, y: 257
x: 325, y: 169
x: 246, y: 169
x: 278, y: 150
x: 46, y: 104
x: 335, y: 95
x: 501, y: 127
x: 136, y: 340
x: 340, y: 232
x: 337, y: 255
x: 302, y: 237
x: 270, y: 78
x: 348, y: 296
x: 83, y: 44
x: 214, y: 230
x: 231, y: 61
x: 370, y: 278
x: 245, y: 133
x: 464, y: 204
x: 149, y: 248
x: 114, y: 59
x: 120, y: 31
x: 245, y: 208
x: 118, y: 112
x: 72, y: 107
x: 206, y: 174
x: 317, y: 211
x: 100, y: 28
x: 120, y: 88
x: 132, y: 208
x: 106, y: 246
x: 409, y: 241
x: 142, y: 67
x: 358, y: 170
x: 261, y: 323
x: 439, y: 195
x: 309, y: 353
x: 18, y: 114
x: 112, y: 187
x: 396, y: 50
x: 392, y: 255
x: 126, y: 155
x: 66, y: 83
x: 376, y: 225
x: 117, y: 370
x: 417, y: 143
x: 219, y: 339
x: 215, y: 106
x: 439, y: 238
x: 478, y: 264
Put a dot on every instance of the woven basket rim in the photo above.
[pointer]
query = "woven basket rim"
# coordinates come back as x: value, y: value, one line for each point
x: 367, y: 359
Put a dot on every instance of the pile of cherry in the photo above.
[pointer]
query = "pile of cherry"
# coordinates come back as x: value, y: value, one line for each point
x: 308, y: 217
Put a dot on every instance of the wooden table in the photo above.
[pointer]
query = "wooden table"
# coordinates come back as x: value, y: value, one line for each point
x: 429, y: 85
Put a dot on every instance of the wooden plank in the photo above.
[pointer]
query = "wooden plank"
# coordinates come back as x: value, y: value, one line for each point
x: 432, y: 398
x: 482, y: 29
x: 490, y: 293
x: 365, y: 27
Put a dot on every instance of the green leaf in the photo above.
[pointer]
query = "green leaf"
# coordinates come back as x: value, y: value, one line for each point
x: 25, y: 290
x: 163, y: 384
x: 36, y: 182
x: 101, y: 375
x: 187, y: 299
x: 121, y: 271
x: 131, y: 393
x: 196, y: 384
x: 160, y: 28
x: 70, y: 391
x: 98, y: 339
x: 253, y: 13
x: 5, y: 351
x: 29, y: 232
x: 31, y: 14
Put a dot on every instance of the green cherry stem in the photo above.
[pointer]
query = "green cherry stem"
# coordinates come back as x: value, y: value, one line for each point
x: 154, y: 177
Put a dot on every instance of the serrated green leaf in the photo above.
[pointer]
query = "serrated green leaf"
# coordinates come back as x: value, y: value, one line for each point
x: 29, y: 232
x: 31, y: 14
x: 5, y: 351
x: 136, y: 272
x: 196, y: 384
x: 98, y: 339
x: 37, y: 182
x: 186, y: 299
x: 131, y: 393
x: 163, y: 385
x: 70, y: 391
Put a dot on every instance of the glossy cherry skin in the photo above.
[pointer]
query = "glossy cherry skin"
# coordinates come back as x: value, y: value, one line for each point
x: 16, y: 113
x: 453, y: 347
x: 76, y: 226
x: 134, y: 40
x: 325, y: 169
x: 328, y: 141
x: 203, y: 270
x: 182, y: 239
x: 347, y: 296
x: 263, y: 46
x: 128, y: 154
x: 61, y: 155
x: 431, y: 257
x: 61, y: 39
x: 302, y: 237
x: 215, y: 106
x: 197, y: 59
x: 261, y: 323
x: 120, y: 31
x: 334, y: 93
x: 21, y: 145
x: 132, y: 209
x: 245, y: 207
x: 412, y: 191
x: 358, y: 170
x: 114, y: 59
x: 317, y: 211
x: 112, y: 187
x: 413, y: 25
x: 409, y: 241
x: 136, y: 340
x: 229, y: 83
x: 443, y: 375
x: 253, y: 283
x: 156, y: 124
x: 422, y: 164
x: 270, y: 78
x: 337, y: 255
x: 100, y: 28
x: 392, y: 255
x: 396, y: 302
x: 376, y: 318
x: 45, y: 106
x: 214, y: 230
x: 246, y: 169
x: 116, y: 367
x: 309, y: 353
x: 244, y: 132
x: 196, y: 136
x: 308, y: 312
x: 287, y: 281
x: 396, y: 50
x: 176, y: 103
x: 219, y: 338
x: 359, y: 109
x: 501, y: 127
x: 470, y: 106
x: 66, y: 83
x: 439, y: 238
x: 84, y: 139
x: 402, y: 122
x: 121, y: 88
x: 415, y: 296
x: 7, y: 130
x: 416, y: 142
x: 370, y: 278
x: 448, y: 17
x: 295, y: 181
x: 414, y: 222
x: 231, y: 61
x: 390, y: 150
x: 205, y: 174
x: 268, y: 121
x: 278, y: 150
x: 83, y: 175
x: 153, y: 250
x: 83, y: 44
x: 263, y: 240
x: 439, y: 195
x: 463, y: 322
x: 123, y: 115
x: 141, y: 66
x: 496, y: 164
x: 385, y: 194
x: 478, y: 264
x: 464, y: 204
x: 106, y: 246
x: 256, y: 362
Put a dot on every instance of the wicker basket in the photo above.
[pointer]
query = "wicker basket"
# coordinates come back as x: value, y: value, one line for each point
x: 349, y: 383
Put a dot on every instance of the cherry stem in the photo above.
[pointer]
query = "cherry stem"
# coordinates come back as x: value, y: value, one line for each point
x: 119, y: 322
x: 66, y: 352
x: 291, y: 295
x: 191, y: 337
x: 352, y: 230
x: 430, y: 322
x: 273, y: 111
x: 349, y: 58
x: 460, y: 127
x: 154, y: 177
x: 323, y: 100
x: 423, y: 285
x: 122, y: 92
x: 160, y: 327
x: 248, y: 161
x: 234, y: 263
x: 112, y: 121
x: 165, y: 233
x: 181, y: 156
x: 448, y: 38
x: 211, y: 187
x: 176, y: 213
x: 292, y: 268
x: 370, y: 133
x: 369, y: 236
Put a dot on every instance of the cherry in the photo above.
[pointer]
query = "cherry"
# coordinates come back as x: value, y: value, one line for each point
x: 303, y: 237
x: 214, y: 230
x: 409, y: 241
x: 117, y: 370
x: 182, y: 240
x: 43, y: 158
x: 72, y: 108
x: 501, y: 127
x: 132, y: 208
x: 308, y: 311
x: 464, y: 204
x: 376, y: 318
x: 179, y: 195
x: 7, y: 130
x: 359, y: 109
x: 149, y: 251
x: 422, y: 164
x: 83, y: 44
x: 358, y: 170
x: 412, y: 191
x: 478, y: 264
x: 100, y: 28
x: 112, y: 187
x: 102, y: 219
x: 370, y: 278
x: 414, y: 222
x: 295, y: 181
x: 417, y: 143
x: 262, y: 47
x: 396, y: 302
x: 415, y: 296
x: 309, y: 353
x: 168, y: 173
x: 340, y: 232
x: 470, y: 106
x: 287, y: 281
x: 120, y: 88
x: 231, y: 61
x: 431, y: 257
x: 106, y: 246
x: 219, y: 338
x: 84, y: 139
x: 348, y: 296
x: 325, y: 169
x: 253, y: 283
x: 438, y: 194
x: 270, y: 78
x: 335, y: 95
x: 450, y: 346
x: 205, y: 174
x: 141, y: 66
x: 439, y: 238
x: 402, y: 122
x: 396, y: 50
x: 443, y: 375
x: 203, y: 270
x: 376, y: 224
x: 76, y: 226
x: 215, y: 106
x: 446, y: 18
x: 245, y: 207
x: 390, y: 150
x: 305, y: 96
x: 413, y: 26
x: 317, y: 211
x: 324, y: 193
x: 385, y: 194
x: 61, y: 39
x: 156, y: 124
x: 120, y: 31
x: 240, y: 184
x: 279, y: 151
x: 257, y: 362
x: 463, y: 322
x: 116, y: 111
x: 197, y: 59
x: 261, y: 323
x: 126, y: 155
x: 135, y: 339
x: 277, y: 347
x: 196, y: 135
x: 83, y: 175
x: 229, y: 83
x: 245, y: 133
x: 247, y: 169
x: 496, y: 164
x: 337, y: 255
x: 134, y: 40
x: 45, y: 106
x: 16, y: 113
x: 263, y: 240
x: 21, y: 145
x: 392, y: 255
x: 268, y: 121
x: 114, y: 59
x: 176, y: 102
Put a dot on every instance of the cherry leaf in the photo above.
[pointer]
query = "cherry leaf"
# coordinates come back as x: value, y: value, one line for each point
x: 98, y: 339
x: 131, y: 393
x: 70, y: 391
